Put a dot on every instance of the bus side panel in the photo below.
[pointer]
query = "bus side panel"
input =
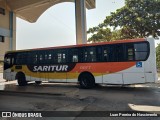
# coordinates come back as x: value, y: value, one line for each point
x: 115, y: 78
x: 133, y: 78
x: 72, y: 76
x: 134, y: 74
x: 150, y: 77
x: 98, y: 77
x: 57, y: 77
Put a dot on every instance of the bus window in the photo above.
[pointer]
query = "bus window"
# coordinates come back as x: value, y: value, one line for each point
x: 48, y: 57
x: 105, y: 54
x: 119, y: 52
x: 60, y: 56
x: 112, y: 53
x: 73, y: 55
x: 99, y: 53
x: 75, y: 58
x: 141, y: 51
x: 21, y: 58
x: 130, y: 52
x: 33, y: 58
x: 137, y: 51
x: 41, y: 57
x: 89, y: 54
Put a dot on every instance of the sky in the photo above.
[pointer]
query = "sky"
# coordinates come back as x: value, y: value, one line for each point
x: 56, y: 26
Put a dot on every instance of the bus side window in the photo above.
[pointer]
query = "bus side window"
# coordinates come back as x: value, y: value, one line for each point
x: 61, y: 56
x: 75, y: 58
x: 119, y: 53
x: 41, y: 57
x: 33, y: 58
x: 89, y: 54
x: 105, y: 53
x: 130, y: 52
x: 21, y: 58
x: 72, y: 55
x: 49, y: 57
x: 99, y: 53
x: 141, y: 51
x: 46, y: 57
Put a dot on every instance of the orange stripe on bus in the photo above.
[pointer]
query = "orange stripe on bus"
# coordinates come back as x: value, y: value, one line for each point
x: 110, y: 67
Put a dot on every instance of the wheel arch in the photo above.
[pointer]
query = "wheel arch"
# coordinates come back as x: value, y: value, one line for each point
x: 19, y: 74
x: 85, y: 72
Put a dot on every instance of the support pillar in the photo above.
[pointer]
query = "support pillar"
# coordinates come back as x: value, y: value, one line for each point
x: 81, y: 29
x: 11, y: 29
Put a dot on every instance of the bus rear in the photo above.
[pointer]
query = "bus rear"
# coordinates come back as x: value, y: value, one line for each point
x: 143, y: 71
x: 150, y: 68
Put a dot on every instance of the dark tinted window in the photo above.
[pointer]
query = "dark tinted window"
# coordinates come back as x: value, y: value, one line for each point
x: 60, y: 56
x: 141, y: 51
x: 73, y: 55
x: 104, y: 53
x: 33, y: 57
x: 137, y: 51
x: 21, y: 58
x: 89, y: 54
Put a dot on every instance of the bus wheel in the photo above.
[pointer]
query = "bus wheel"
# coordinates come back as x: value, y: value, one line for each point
x: 86, y: 80
x: 38, y: 82
x: 21, y: 79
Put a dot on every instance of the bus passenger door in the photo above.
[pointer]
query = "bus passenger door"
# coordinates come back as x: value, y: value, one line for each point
x: 112, y: 55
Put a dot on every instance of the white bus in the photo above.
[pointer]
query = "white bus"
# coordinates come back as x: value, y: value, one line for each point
x: 119, y: 62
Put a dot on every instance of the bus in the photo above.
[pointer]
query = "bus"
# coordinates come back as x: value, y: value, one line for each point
x: 121, y: 62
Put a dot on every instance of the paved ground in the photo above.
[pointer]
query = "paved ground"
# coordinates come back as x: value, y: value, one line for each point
x: 69, y: 97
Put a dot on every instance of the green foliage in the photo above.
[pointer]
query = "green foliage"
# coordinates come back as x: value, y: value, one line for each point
x: 137, y: 19
x: 158, y: 55
x: 101, y: 35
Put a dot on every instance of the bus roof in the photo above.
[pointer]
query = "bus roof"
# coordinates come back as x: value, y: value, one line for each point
x: 81, y: 45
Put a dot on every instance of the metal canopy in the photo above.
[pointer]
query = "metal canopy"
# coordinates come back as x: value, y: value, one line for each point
x: 31, y: 10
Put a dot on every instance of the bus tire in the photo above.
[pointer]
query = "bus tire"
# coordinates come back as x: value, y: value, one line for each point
x: 21, y: 79
x: 86, y: 80
x: 38, y: 82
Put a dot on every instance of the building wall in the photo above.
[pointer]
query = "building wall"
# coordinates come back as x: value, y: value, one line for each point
x: 4, y: 47
x: 5, y: 31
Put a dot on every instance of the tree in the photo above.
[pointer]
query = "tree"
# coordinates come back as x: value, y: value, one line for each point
x: 137, y: 19
x: 158, y: 55
x: 101, y: 35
